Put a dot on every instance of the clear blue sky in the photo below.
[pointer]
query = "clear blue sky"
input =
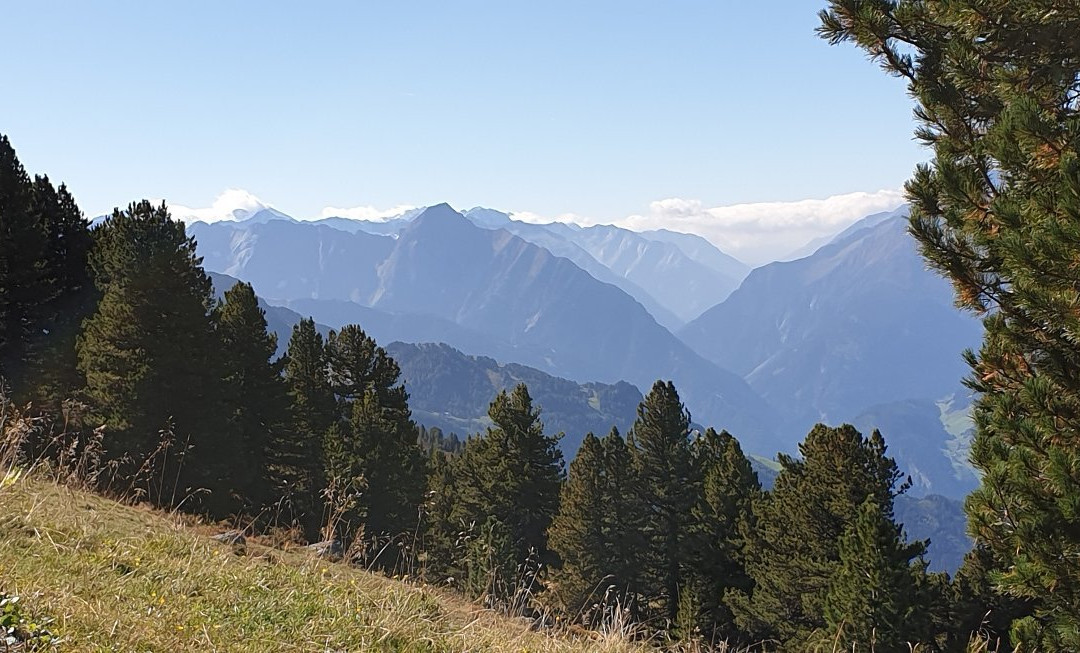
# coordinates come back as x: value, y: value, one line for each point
x: 596, y: 108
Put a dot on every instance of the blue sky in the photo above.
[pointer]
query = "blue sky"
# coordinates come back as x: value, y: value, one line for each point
x: 589, y: 111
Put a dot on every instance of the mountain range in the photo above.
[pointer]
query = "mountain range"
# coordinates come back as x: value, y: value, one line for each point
x: 471, y: 303
x: 858, y: 323
x: 857, y: 331
x: 451, y: 390
x: 487, y: 292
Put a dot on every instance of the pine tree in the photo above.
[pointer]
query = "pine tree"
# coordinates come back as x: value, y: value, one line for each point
x: 439, y: 551
x: 433, y: 439
x: 380, y: 444
x: 791, y: 549
x: 511, y: 476
x: 722, y: 515
x: 67, y: 238
x: 295, y: 457
x: 873, y: 601
x: 22, y: 240
x: 69, y: 292
x: 253, y: 390
x: 998, y: 213
x: 977, y: 608
x: 45, y: 290
x: 669, y: 487
x: 151, y: 358
x: 358, y: 364
x: 624, y: 522
x: 597, y: 531
x: 576, y: 533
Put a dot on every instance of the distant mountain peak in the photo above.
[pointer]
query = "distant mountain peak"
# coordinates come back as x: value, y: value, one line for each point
x: 488, y: 218
x: 439, y: 221
x: 862, y: 224
x: 263, y: 216
x: 442, y: 208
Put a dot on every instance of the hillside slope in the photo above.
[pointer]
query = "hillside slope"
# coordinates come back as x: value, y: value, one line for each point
x: 452, y: 391
x: 119, y: 578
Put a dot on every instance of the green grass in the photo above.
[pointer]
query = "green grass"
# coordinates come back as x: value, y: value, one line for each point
x: 100, y: 575
x: 113, y: 577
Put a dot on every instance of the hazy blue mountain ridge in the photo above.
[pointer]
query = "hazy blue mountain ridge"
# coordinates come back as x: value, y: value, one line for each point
x: 289, y: 259
x: 942, y: 521
x: 508, y: 287
x: 452, y: 391
x: 560, y: 245
x: 505, y: 297
x: 702, y: 251
x: 859, y: 331
x: 675, y: 276
x: 867, y: 222
x: 683, y: 285
x: 934, y: 458
x: 858, y: 323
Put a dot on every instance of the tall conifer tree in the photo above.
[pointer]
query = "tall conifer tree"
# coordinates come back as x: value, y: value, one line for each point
x: 669, y: 488
x: 874, y: 602
x: 624, y: 521
x: 45, y: 289
x: 997, y: 87
x: 69, y: 292
x: 510, y: 477
x: 439, y: 555
x: 597, y: 531
x: 723, y: 514
x: 150, y: 356
x: 254, y: 392
x: 792, y: 550
x: 295, y: 457
x: 22, y: 238
x: 380, y: 445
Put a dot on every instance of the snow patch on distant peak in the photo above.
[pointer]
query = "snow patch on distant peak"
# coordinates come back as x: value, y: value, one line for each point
x: 370, y: 213
x: 233, y: 205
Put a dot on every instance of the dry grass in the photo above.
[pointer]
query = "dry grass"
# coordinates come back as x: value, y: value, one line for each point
x: 107, y: 576
x: 119, y: 578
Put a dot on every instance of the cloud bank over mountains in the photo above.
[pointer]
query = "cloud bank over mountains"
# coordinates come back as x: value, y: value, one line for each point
x: 755, y: 233
x: 233, y: 204
x: 369, y: 213
x: 760, y: 232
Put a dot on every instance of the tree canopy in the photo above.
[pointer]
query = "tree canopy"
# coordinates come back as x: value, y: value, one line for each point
x: 997, y: 90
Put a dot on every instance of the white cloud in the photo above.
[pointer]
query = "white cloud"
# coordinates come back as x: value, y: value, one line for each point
x: 237, y: 204
x: 764, y: 231
x: 365, y: 212
x: 756, y: 233
x: 534, y: 218
x: 233, y: 204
